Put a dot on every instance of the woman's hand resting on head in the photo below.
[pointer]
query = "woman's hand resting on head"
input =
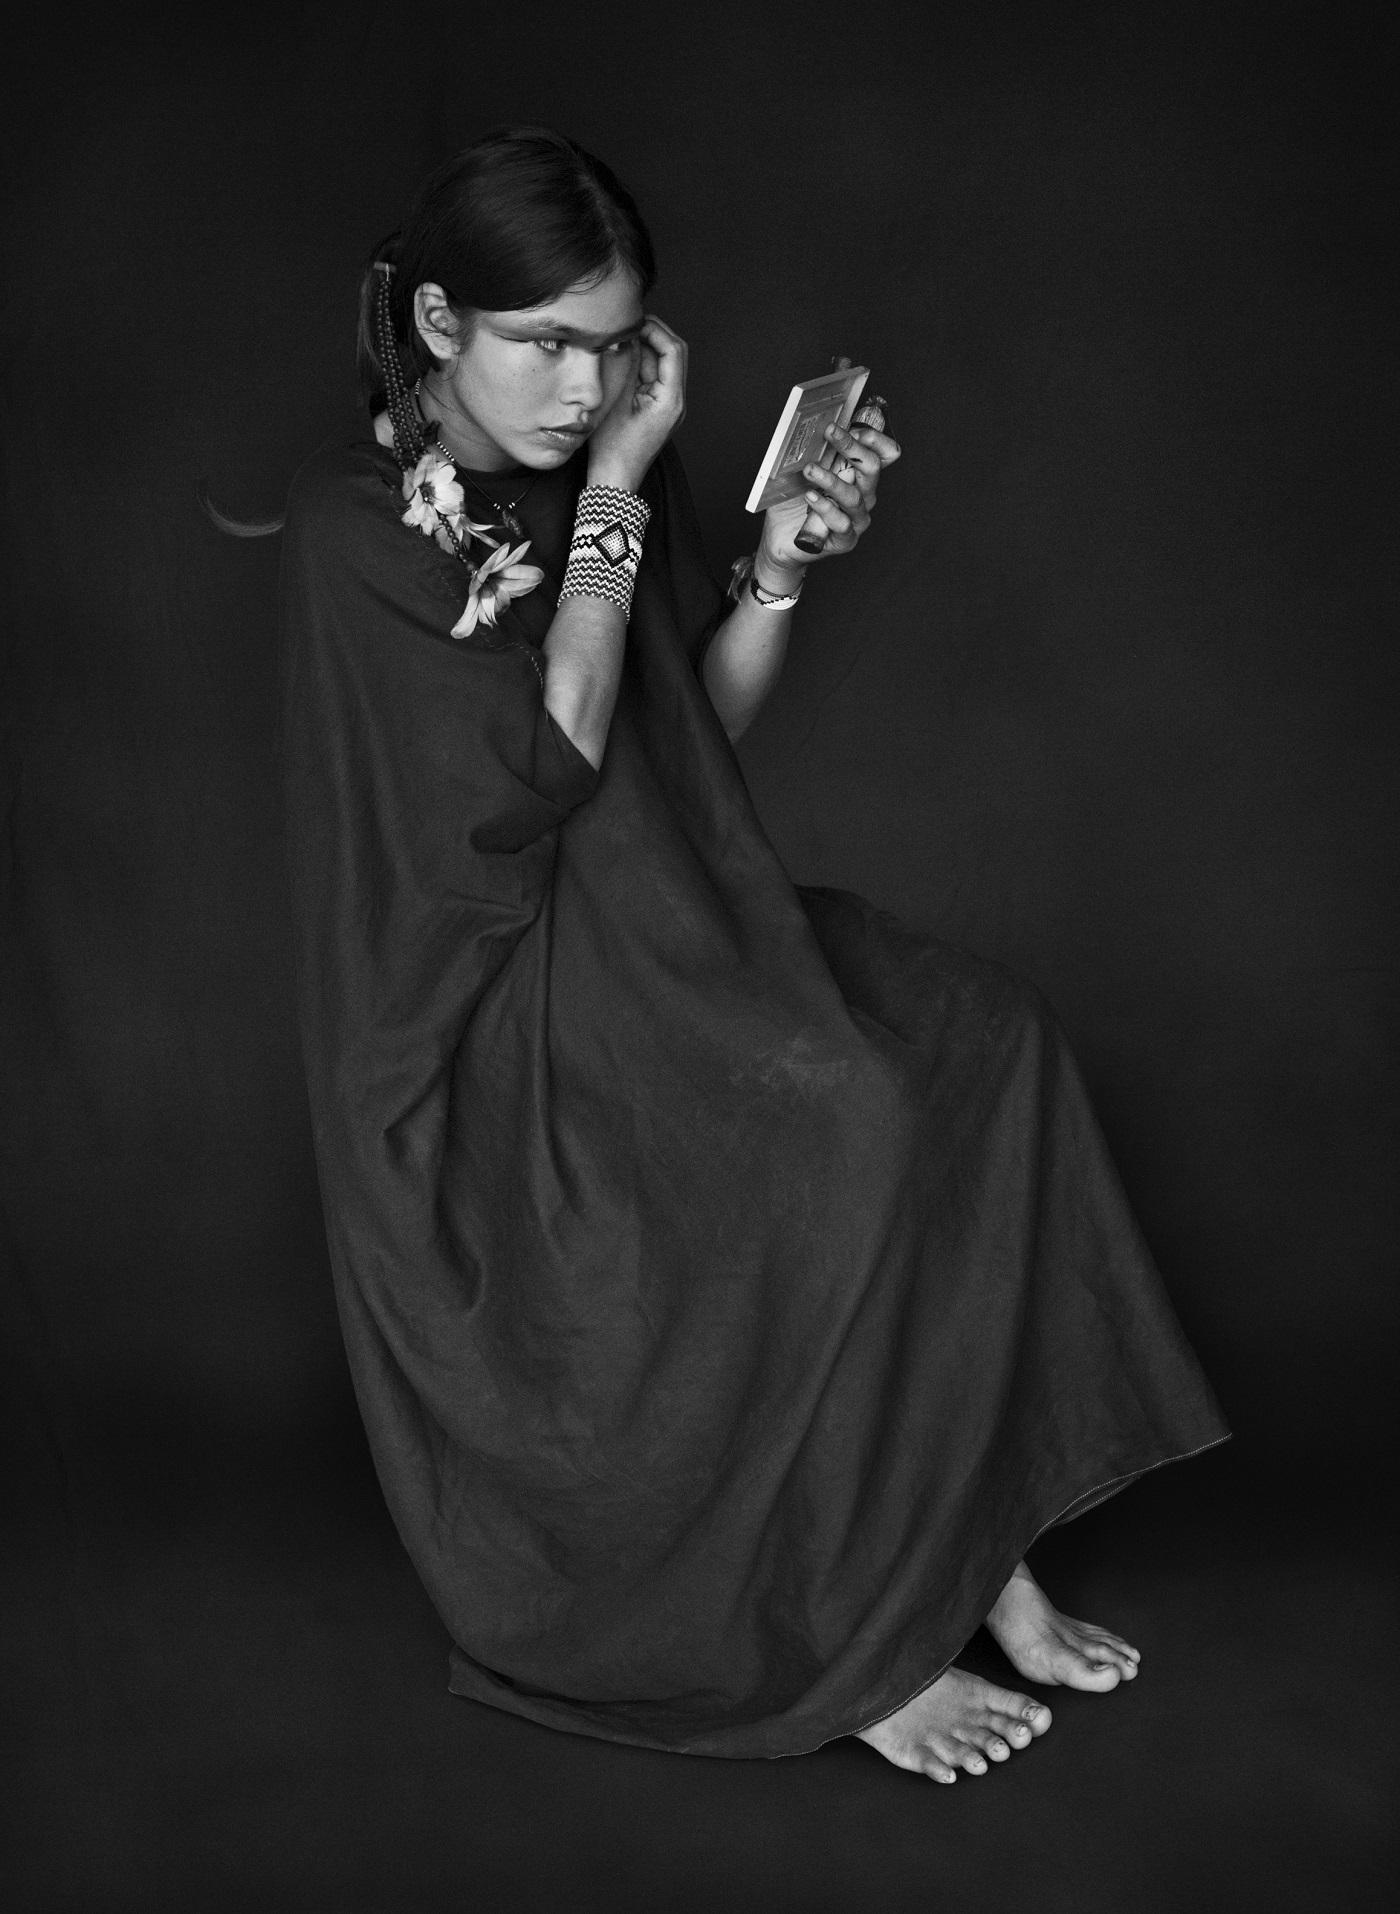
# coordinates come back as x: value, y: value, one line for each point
x: 645, y: 414
x: 844, y: 504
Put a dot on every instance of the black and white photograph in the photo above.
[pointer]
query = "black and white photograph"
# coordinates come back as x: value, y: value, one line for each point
x: 700, y: 732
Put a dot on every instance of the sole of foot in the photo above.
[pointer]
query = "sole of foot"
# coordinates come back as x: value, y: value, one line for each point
x: 958, y: 1723
x: 1045, y: 1646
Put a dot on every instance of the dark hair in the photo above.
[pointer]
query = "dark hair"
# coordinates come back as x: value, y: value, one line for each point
x: 514, y: 220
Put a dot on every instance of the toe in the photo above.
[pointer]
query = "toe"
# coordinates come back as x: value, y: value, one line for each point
x: 1099, y: 1656
x: 1098, y: 1676
x: 1016, y: 1717
x: 955, y: 1750
x: 1086, y: 1659
x: 1014, y: 1706
x: 993, y: 1744
x: 942, y: 1757
x: 917, y: 1757
x: 1104, y: 1638
x: 1099, y: 1643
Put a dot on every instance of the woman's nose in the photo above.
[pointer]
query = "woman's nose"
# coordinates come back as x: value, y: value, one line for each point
x: 583, y: 382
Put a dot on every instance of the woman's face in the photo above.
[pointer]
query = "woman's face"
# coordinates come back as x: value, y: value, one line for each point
x: 529, y: 388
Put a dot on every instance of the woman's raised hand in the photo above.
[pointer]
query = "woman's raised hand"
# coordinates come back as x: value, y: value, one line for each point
x: 645, y: 414
x: 845, y: 504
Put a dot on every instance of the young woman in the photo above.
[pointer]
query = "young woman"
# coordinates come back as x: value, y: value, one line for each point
x: 735, y: 1284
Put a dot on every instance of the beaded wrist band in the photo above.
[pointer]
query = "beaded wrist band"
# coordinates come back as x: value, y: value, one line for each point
x: 606, y: 547
x: 744, y: 577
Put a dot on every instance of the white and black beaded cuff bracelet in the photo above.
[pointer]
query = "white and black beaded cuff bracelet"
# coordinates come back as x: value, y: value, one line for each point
x: 606, y: 547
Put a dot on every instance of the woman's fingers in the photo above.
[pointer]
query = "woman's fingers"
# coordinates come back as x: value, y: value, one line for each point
x: 856, y: 462
x: 840, y: 522
x: 863, y: 459
x: 649, y: 408
x: 648, y: 371
x: 657, y: 331
x: 670, y: 353
x: 845, y: 492
x: 844, y: 498
x: 881, y: 444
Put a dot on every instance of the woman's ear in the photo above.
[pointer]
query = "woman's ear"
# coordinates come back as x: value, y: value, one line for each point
x: 435, y: 321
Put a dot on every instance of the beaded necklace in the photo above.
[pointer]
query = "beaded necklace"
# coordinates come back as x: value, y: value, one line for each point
x: 504, y: 509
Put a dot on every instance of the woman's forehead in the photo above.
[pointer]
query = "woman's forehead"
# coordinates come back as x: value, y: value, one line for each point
x: 601, y: 306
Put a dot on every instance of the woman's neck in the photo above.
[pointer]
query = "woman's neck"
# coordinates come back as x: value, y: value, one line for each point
x: 464, y: 439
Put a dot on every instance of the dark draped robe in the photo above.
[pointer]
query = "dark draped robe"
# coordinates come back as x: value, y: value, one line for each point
x: 734, y: 1282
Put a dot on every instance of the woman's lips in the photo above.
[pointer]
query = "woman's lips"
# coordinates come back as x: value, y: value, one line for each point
x: 567, y: 434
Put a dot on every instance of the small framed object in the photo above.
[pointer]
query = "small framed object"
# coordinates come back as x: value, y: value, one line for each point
x: 798, y: 441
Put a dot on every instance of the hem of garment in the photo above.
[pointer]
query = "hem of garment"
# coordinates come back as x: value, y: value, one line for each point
x: 1077, y: 1505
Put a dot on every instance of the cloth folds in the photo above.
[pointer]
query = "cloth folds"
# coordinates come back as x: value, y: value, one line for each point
x: 734, y: 1282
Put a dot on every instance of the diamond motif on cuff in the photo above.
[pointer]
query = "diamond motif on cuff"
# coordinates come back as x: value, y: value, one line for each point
x: 613, y: 543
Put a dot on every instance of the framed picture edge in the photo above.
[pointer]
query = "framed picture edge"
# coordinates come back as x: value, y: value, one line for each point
x: 852, y: 377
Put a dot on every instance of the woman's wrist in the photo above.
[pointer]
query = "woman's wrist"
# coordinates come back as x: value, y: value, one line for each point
x: 778, y: 580
x: 605, y: 552
x: 619, y: 475
x: 744, y: 583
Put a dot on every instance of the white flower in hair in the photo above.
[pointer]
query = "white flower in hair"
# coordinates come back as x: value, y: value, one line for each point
x: 495, y: 582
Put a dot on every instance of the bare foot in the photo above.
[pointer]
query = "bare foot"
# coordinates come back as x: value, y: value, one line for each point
x: 1043, y: 1645
x: 960, y: 1721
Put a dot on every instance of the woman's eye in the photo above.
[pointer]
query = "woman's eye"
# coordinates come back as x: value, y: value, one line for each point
x: 550, y: 345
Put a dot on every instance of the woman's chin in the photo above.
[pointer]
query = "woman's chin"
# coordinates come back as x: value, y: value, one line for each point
x: 534, y: 457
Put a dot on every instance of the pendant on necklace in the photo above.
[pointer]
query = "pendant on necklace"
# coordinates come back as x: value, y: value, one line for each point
x: 512, y: 523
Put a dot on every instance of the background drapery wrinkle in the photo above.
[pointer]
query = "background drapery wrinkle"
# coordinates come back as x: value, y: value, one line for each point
x: 1109, y: 694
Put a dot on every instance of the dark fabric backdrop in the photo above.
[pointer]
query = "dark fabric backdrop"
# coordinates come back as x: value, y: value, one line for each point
x: 1108, y: 693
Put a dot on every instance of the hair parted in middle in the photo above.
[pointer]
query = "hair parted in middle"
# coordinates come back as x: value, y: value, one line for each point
x: 511, y: 222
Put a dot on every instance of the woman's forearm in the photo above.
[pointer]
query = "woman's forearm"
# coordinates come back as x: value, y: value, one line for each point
x: 583, y: 668
x: 584, y: 648
x: 742, y: 662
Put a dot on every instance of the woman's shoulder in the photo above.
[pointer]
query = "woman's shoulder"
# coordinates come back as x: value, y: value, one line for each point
x: 345, y: 542
x: 345, y: 486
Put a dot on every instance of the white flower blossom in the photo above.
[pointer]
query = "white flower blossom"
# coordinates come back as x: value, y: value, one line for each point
x: 495, y: 582
x: 433, y: 492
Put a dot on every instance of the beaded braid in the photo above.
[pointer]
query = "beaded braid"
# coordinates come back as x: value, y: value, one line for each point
x: 410, y: 443
x: 408, y: 433
x: 409, y: 440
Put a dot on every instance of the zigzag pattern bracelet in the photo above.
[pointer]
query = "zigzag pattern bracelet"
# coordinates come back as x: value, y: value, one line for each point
x: 606, y: 547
